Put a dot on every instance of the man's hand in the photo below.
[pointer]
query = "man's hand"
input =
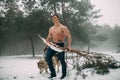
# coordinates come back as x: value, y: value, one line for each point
x: 69, y: 48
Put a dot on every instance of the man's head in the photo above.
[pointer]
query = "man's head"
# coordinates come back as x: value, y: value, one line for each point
x: 55, y: 15
x: 55, y: 18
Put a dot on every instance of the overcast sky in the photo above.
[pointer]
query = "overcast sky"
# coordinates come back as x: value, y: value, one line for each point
x: 110, y: 9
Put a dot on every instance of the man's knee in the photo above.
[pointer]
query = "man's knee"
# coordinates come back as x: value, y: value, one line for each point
x: 48, y: 58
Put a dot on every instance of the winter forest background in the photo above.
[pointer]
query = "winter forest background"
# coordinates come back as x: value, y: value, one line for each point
x: 21, y: 20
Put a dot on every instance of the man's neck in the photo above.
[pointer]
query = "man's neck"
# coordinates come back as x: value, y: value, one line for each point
x: 57, y: 24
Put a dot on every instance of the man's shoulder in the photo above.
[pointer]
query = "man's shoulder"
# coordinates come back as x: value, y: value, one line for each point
x: 51, y: 27
x: 64, y: 27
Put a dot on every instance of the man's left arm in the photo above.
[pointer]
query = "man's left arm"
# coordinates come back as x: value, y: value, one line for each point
x: 68, y: 35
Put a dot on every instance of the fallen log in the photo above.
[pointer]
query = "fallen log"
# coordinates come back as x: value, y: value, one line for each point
x: 101, y: 62
x: 61, y: 49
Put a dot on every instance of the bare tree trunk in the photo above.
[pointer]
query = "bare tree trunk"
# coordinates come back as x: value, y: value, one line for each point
x: 63, y: 15
x: 32, y: 45
x: 54, y: 6
x: 33, y: 50
x: 88, y: 48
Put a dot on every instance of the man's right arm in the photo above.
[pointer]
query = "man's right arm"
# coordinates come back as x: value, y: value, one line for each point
x: 49, y: 37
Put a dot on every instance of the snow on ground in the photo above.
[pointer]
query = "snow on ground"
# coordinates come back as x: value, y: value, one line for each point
x: 25, y: 68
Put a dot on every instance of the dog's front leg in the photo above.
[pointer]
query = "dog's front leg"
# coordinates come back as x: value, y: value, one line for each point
x: 46, y: 70
x: 41, y: 70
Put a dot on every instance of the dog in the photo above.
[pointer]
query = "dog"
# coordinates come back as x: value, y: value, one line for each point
x: 42, y: 64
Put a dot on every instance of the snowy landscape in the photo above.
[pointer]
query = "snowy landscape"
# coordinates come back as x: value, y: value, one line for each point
x: 24, y: 67
x: 94, y: 25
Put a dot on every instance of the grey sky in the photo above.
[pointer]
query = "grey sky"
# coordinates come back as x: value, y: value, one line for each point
x: 110, y: 9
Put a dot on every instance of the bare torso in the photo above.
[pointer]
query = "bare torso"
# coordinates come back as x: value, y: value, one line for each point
x: 57, y: 33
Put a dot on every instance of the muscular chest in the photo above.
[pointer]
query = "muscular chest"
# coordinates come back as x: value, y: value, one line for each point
x: 58, y: 32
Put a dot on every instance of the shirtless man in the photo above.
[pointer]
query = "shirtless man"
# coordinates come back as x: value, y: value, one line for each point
x: 57, y: 35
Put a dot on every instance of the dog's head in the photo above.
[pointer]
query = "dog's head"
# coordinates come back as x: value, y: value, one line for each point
x: 42, y: 65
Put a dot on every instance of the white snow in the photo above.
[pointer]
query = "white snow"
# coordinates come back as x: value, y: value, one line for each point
x: 25, y: 68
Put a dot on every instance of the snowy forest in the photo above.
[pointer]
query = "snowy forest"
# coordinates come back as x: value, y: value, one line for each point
x: 21, y: 20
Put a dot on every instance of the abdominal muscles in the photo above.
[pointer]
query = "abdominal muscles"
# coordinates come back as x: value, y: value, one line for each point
x: 58, y: 36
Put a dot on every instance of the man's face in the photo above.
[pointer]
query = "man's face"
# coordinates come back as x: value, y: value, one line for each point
x: 55, y: 19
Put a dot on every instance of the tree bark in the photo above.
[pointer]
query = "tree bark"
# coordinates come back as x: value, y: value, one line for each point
x: 32, y: 46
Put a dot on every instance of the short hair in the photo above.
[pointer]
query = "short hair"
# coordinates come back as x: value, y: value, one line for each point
x: 55, y: 15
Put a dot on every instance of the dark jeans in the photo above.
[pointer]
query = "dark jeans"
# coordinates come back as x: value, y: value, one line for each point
x: 61, y: 57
